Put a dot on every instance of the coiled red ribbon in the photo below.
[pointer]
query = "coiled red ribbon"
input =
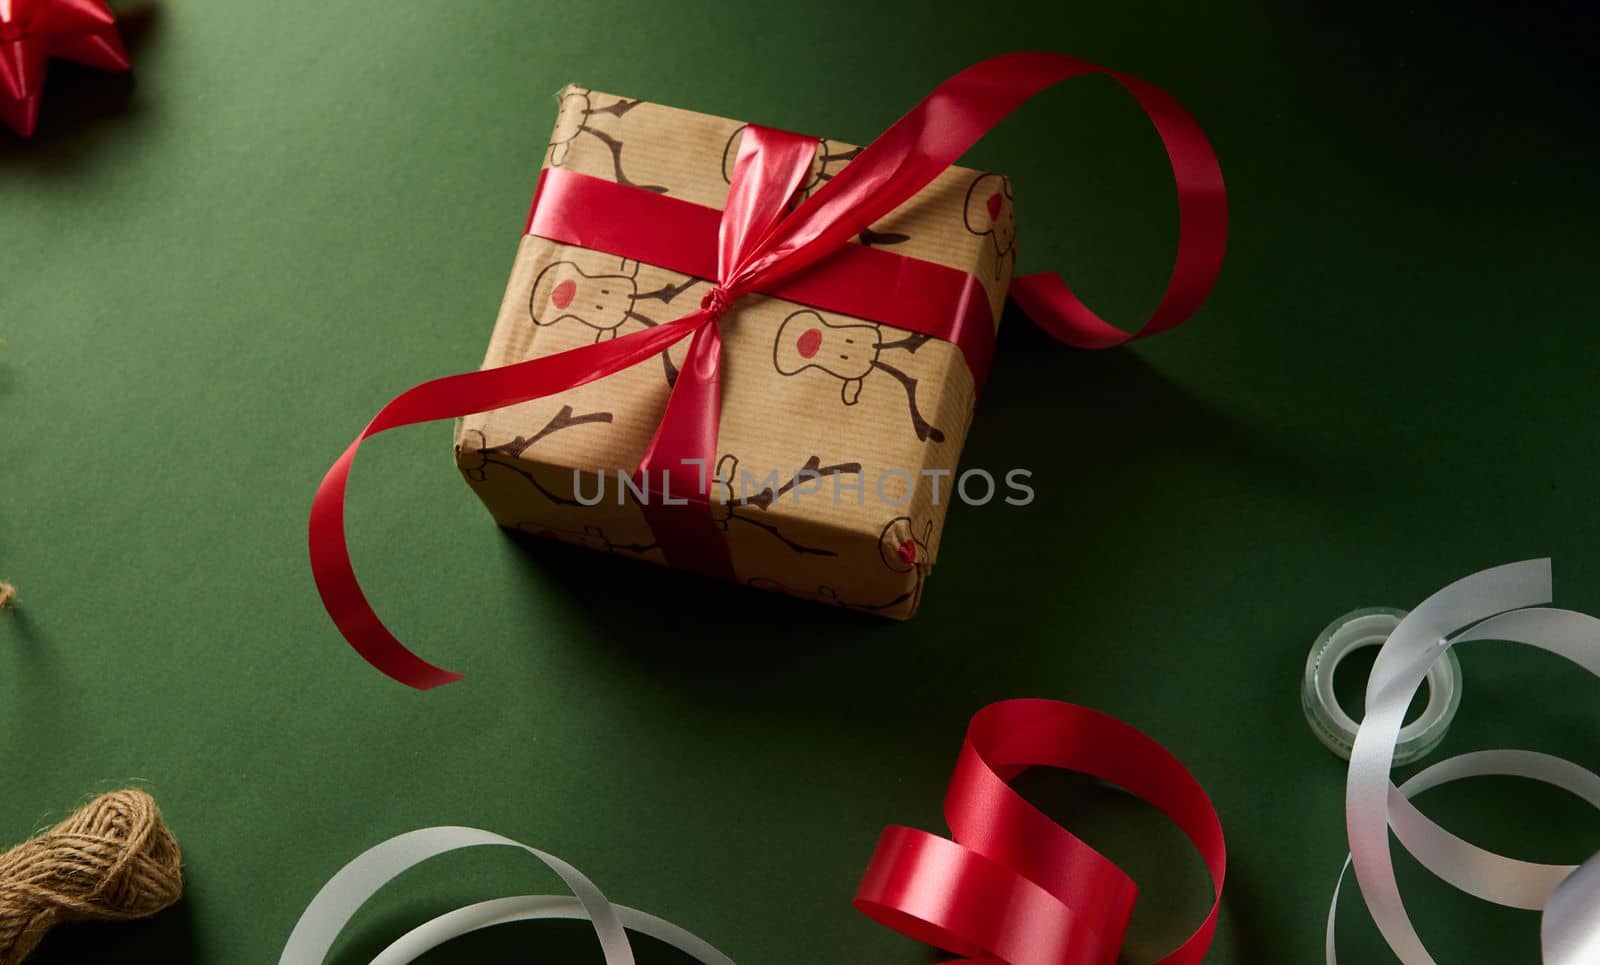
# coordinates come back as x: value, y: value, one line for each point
x: 760, y: 244
x: 1014, y: 887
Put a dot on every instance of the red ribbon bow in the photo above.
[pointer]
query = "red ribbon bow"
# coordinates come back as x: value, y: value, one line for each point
x: 760, y: 243
x: 33, y: 31
x: 1014, y: 887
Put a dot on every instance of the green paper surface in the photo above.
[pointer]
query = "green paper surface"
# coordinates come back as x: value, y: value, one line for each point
x: 213, y: 275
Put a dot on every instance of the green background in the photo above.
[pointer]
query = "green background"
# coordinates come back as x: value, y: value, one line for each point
x: 213, y: 274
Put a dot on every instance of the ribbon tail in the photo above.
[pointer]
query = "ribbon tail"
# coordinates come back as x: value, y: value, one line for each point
x: 934, y: 134
x: 1058, y: 312
x: 1202, y: 237
x: 682, y: 454
x: 446, y: 398
x: 681, y: 457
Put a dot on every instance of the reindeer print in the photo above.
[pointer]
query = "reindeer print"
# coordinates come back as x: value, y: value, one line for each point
x: 903, y: 550
x: 565, y: 419
x: 474, y: 461
x: 989, y: 214
x: 604, y: 302
x: 849, y: 352
x: 726, y: 506
x: 579, y: 115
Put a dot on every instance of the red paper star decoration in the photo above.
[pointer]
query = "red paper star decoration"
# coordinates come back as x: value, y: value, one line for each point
x: 33, y: 31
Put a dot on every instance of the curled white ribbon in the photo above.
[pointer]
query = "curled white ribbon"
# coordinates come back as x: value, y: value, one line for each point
x: 1502, y: 603
x: 333, y: 907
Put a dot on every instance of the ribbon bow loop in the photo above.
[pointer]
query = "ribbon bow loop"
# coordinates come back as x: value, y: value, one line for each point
x: 770, y: 167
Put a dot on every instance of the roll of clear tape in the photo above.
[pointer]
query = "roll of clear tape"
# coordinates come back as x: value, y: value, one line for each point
x: 1370, y: 627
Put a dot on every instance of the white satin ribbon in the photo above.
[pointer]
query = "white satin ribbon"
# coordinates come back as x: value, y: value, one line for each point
x: 1570, y: 931
x: 1497, y: 604
x: 333, y: 907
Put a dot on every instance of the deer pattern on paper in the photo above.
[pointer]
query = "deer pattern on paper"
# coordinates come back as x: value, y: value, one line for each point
x: 604, y: 301
x: 475, y: 461
x: 579, y: 115
x: 850, y: 352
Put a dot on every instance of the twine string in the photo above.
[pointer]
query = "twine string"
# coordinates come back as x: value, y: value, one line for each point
x: 113, y: 859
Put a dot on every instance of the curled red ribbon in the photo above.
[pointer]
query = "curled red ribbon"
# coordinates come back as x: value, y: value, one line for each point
x: 759, y: 246
x: 1014, y: 887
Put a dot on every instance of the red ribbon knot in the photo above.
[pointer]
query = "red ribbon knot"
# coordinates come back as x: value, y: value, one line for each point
x: 717, y: 302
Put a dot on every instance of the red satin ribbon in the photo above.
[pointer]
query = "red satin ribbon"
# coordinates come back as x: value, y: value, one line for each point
x: 33, y: 31
x: 759, y: 246
x: 1014, y: 887
x: 889, y: 288
x: 770, y: 168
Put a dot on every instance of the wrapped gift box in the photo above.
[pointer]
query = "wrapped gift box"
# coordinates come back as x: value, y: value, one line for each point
x: 839, y: 436
x: 826, y: 376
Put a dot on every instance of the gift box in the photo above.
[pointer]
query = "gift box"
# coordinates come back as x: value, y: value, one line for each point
x: 754, y: 354
x: 839, y: 435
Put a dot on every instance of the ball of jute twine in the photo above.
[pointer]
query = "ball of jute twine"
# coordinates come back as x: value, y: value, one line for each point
x: 113, y: 859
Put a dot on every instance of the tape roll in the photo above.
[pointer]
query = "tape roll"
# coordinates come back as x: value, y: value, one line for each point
x: 1370, y: 627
